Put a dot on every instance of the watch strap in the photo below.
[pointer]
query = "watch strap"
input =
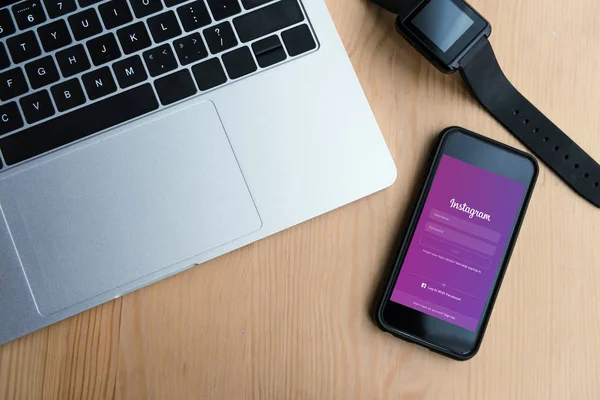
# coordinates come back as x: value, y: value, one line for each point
x: 482, y: 73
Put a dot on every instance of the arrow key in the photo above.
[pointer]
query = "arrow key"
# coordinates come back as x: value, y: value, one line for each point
x: 190, y: 49
x: 160, y: 60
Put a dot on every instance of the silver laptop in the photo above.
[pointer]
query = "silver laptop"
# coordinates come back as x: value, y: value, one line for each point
x: 139, y: 138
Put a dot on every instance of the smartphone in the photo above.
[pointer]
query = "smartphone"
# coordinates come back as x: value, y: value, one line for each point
x: 458, y: 244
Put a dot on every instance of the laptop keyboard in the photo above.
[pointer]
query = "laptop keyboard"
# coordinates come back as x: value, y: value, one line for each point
x: 72, y: 68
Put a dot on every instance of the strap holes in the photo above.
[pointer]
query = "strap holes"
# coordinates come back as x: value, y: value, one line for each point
x: 566, y: 157
x: 536, y: 130
x: 525, y: 121
x: 546, y: 139
x: 556, y: 148
x: 516, y: 112
x: 596, y: 184
x: 576, y: 166
x: 586, y: 175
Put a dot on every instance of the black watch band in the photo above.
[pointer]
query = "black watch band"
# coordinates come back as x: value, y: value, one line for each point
x: 482, y: 73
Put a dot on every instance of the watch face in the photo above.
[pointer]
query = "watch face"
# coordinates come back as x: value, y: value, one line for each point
x: 445, y: 27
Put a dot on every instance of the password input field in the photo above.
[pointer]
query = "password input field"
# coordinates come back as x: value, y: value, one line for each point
x: 453, y: 236
x: 465, y: 226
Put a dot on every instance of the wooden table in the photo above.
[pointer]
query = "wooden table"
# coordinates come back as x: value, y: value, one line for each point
x: 288, y: 317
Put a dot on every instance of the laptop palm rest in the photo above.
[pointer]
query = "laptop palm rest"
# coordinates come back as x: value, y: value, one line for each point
x: 127, y: 206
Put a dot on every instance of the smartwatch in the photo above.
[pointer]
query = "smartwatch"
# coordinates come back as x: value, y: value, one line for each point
x: 454, y: 37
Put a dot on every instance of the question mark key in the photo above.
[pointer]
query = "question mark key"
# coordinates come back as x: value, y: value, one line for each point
x: 220, y: 37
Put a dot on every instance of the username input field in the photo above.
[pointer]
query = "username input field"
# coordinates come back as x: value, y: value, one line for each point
x: 465, y: 226
x: 453, y: 236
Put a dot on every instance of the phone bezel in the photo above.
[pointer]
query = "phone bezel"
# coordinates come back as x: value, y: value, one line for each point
x: 428, y: 331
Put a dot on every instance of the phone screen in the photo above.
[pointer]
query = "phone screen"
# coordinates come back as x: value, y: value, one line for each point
x: 459, y: 243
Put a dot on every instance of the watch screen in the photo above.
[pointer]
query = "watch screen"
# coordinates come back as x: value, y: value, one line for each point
x: 443, y: 22
x: 459, y: 243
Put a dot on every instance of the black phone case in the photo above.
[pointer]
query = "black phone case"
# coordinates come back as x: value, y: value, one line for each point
x: 385, y: 294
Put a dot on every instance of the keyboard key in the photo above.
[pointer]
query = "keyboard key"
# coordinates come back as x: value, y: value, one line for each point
x: 99, y: 83
x: 10, y: 118
x: 72, y: 60
x: 142, y: 8
x: 174, y: 87
x: 268, y: 19
x: 103, y: 49
x: 160, y: 60
x: 29, y: 13
x: 209, y: 74
x: 54, y: 35
x: 115, y: 13
x: 134, y: 37
x: 193, y: 16
x: 164, y: 26
x: 68, y: 94
x: 37, y: 106
x: 4, y: 60
x: 42, y: 72
x: 222, y: 9
x: 220, y: 37
x: 12, y: 84
x: 85, y: 24
x: 7, y: 27
x: 23, y: 47
x: 268, y: 51
x: 85, y: 3
x: 239, y: 62
x: 190, y: 49
x: 248, y: 4
x: 58, y: 8
x: 130, y: 71
x: 171, y: 3
x: 68, y: 128
x: 298, y: 40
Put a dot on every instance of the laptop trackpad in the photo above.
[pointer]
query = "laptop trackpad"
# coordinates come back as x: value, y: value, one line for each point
x: 128, y: 206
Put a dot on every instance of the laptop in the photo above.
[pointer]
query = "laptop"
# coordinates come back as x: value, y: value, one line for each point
x: 139, y: 138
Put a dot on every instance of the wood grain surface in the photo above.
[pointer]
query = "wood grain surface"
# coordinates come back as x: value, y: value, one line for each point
x: 288, y: 317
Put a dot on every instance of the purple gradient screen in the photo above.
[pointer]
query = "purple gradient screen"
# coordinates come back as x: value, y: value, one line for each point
x: 459, y: 243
